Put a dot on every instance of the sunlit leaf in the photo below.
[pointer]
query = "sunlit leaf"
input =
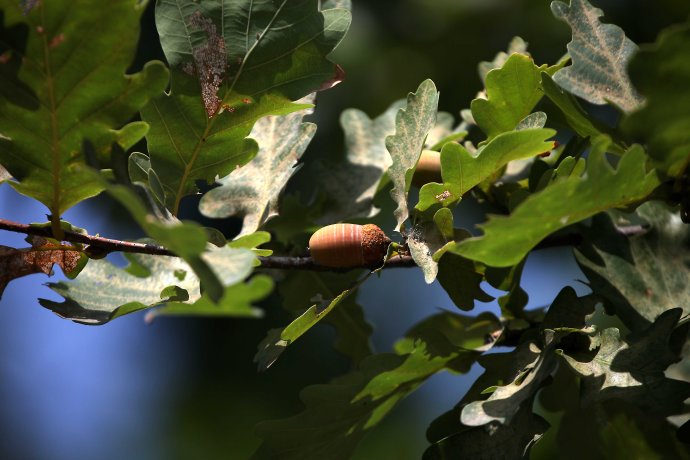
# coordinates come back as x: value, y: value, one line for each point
x: 233, y: 62
x: 412, y: 124
x: 103, y: 292
x: 581, y: 122
x: 461, y: 170
x: 445, y: 131
x: 327, y: 4
x: 600, y: 54
x: 349, y: 185
x: 423, y: 241
x: 4, y: 175
x: 339, y: 414
x: 253, y: 190
x: 505, y: 400
x: 512, y: 91
x: 237, y: 300
x: 64, y: 85
x: 516, y: 45
x: 633, y: 369
x: 352, y: 330
x: 660, y: 71
x: 643, y: 275
x: 493, y: 441
x: 277, y: 340
x: 507, y: 240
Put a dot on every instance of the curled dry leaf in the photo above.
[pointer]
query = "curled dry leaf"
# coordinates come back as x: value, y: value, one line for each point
x: 40, y: 258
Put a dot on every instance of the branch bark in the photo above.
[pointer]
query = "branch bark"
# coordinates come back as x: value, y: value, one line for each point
x: 106, y: 245
x: 102, y: 246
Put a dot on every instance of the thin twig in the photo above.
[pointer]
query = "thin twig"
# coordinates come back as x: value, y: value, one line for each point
x: 104, y: 246
x: 307, y: 263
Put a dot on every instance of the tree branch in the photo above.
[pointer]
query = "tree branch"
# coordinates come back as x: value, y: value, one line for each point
x: 107, y: 245
x: 102, y: 246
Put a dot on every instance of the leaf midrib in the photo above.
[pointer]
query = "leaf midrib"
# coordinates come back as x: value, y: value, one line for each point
x: 211, y: 121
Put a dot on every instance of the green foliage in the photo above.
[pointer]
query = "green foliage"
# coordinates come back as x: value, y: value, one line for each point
x: 253, y: 190
x: 244, y: 68
x: 338, y: 414
x: 642, y: 276
x: 278, y: 339
x: 353, y: 331
x: 599, y: 189
x: 461, y: 170
x: 600, y: 53
x: 574, y: 114
x: 662, y: 123
x: 350, y: 184
x: 412, y: 124
x: 600, y: 373
x: 633, y: 369
x: 512, y: 92
x: 103, y: 292
x: 59, y: 91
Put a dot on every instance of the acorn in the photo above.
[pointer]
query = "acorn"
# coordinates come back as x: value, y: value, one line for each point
x: 349, y: 245
x: 428, y: 168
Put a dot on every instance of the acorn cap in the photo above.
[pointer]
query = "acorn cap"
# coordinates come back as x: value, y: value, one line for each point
x: 374, y: 245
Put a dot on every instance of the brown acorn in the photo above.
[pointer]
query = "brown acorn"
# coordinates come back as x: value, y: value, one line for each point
x: 428, y: 168
x: 349, y: 245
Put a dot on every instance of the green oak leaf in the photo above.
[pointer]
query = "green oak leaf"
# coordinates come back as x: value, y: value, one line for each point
x: 505, y: 400
x: 4, y: 175
x: 277, y: 340
x: 424, y: 240
x: 662, y: 123
x: 351, y: 183
x: 103, y: 292
x: 576, y: 117
x: 461, y: 171
x: 512, y: 91
x: 569, y: 312
x: 65, y: 86
x: 253, y: 190
x: 412, y: 124
x: 507, y: 240
x: 237, y: 300
x: 339, y: 414
x: 516, y: 45
x: 187, y: 240
x: 352, y: 330
x: 445, y: 131
x: 461, y: 279
x: 233, y: 62
x: 642, y: 276
x: 600, y: 54
x: 493, y: 441
x: 633, y: 368
x: 328, y: 4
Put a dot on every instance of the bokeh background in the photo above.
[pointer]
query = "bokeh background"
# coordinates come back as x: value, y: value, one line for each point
x: 187, y: 388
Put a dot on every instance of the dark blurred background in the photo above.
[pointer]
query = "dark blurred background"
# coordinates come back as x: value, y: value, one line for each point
x: 187, y: 388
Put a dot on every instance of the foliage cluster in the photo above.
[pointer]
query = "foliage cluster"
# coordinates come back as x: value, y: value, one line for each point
x: 230, y: 108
